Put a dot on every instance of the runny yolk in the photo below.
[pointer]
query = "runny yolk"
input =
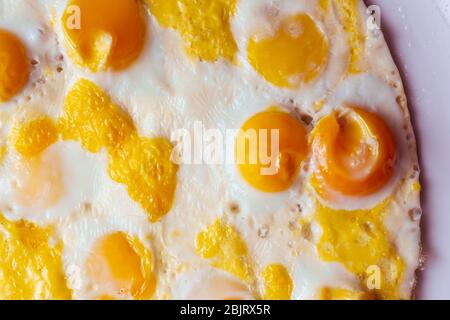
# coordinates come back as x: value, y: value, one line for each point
x: 203, y: 24
x: 277, y: 282
x: 14, y: 66
x: 355, y: 153
x: 294, y: 56
x: 104, y: 34
x: 121, y: 268
x: 269, y: 150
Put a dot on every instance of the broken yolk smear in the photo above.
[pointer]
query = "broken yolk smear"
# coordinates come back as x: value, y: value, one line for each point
x: 359, y: 240
x: 324, y: 5
x: 255, y: 161
x: 14, y: 66
x: 277, y: 283
x: 355, y: 152
x: 33, y: 137
x: 203, y: 24
x: 104, y: 34
x: 122, y: 267
x: 344, y: 294
x: 223, y: 245
x: 3, y: 151
x: 296, y: 55
x: 140, y: 163
x: 30, y: 267
x: 349, y: 14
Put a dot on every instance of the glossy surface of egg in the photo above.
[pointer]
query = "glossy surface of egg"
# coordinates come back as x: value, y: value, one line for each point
x: 14, y: 65
x: 98, y: 202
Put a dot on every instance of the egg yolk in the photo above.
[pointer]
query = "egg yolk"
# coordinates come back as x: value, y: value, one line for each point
x: 142, y: 164
x: 266, y: 161
x: 223, y: 245
x: 14, y: 66
x: 355, y: 153
x: 350, y: 19
x: 104, y: 34
x: 38, y: 181
x: 344, y: 294
x: 219, y: 287
x: 203, y: 24
x: 30, y: 268
x: 122, y: 268
x: 294, y: 56
x: 33, y: 137
x: 277, y: 283
x: 359, y: 240
x: 3, y: 151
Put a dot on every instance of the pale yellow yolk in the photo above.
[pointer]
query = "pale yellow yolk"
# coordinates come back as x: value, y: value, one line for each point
x: 344, y: 294
x: 122, y: 267
x: 223, y: 245
x: 358, y: 239
x: 104, y: 34
x: 14, y: 66
x: 296, y: 55
x: 220, y: 287
x: 203, y: 24
x: 350, y: 19
x: 30, y: 268
x: 39, y: 181
x: 142, y: 164
x: 277, y: 283
x: 291, y: 148
x: 33, y: 137
x: 355, y: 153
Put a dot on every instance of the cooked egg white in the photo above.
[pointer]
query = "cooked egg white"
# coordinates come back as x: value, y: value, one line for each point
x: 86, y: 158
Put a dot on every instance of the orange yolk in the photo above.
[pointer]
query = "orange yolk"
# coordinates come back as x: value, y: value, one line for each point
x: 355, y: 153
x: 104, y: 34
x: 294, y: 56
x: 258, y: 141
x: 14, y: 66
x: 122, y: 268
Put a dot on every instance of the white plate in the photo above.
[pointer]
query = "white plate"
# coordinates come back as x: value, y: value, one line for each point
x: 418, y: 33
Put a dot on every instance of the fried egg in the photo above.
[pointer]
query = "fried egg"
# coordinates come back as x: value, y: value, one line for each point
x: 221, y: 149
